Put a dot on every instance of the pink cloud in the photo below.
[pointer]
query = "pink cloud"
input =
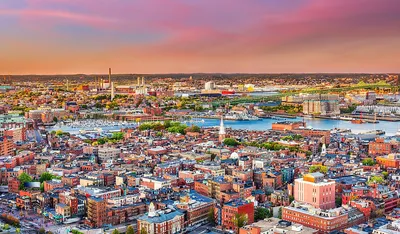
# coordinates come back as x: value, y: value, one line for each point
x: 46, y: 15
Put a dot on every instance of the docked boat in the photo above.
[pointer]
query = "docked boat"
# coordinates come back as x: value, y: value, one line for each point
x: 346, y: 118
x: 241, y: 117
x: 357, y: 121
x: 228, y: 92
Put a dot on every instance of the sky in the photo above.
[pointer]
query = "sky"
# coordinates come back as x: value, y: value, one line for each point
x: 187, y: 36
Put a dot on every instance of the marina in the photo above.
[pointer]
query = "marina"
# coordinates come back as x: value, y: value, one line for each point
x: 390, y: 128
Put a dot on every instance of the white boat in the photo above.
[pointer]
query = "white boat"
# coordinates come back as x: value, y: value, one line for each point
x: 346, y: 118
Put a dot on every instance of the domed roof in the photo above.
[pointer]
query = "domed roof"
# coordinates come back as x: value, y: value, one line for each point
x: 234, y: 155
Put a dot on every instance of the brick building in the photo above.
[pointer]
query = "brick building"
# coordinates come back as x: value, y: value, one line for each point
x: 324, y: 221
x: 314, y: 190
x: 389, y: 161
x: 287, y: 126
x: 230, y: 209
x: 380, y: 147
x: 96, y: 212
x: 7, y: 146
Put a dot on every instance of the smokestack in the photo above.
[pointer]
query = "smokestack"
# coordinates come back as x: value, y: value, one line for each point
x: 109, y: 75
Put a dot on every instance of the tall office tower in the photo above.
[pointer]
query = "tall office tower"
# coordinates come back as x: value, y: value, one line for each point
x: 143, y: 81
x: 138, y: 81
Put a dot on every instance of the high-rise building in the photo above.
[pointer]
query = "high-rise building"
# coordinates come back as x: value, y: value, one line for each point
x: 322, y: 107
x: 315, y: 190
x: 209, y: 85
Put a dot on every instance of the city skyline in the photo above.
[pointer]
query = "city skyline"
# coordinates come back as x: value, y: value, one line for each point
x: 308, y: 36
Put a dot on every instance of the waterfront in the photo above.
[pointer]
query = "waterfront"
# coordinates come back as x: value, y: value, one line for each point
x: 326, y: 124
x: 264, y: 124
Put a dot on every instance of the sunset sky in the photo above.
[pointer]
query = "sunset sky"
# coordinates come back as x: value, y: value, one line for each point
x: 168, y: 36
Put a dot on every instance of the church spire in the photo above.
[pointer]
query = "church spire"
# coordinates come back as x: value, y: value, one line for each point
x: 222, y: 132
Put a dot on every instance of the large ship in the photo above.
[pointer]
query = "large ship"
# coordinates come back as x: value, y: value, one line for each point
x: 228, y: 92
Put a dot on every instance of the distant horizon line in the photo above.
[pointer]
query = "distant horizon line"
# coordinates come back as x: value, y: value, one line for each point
x: 208, y: 73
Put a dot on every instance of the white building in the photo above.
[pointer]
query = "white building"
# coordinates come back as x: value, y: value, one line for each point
x: 106, y: 154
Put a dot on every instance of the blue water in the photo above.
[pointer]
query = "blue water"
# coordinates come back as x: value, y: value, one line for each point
x: 326, y: 124
x: 264, y: 124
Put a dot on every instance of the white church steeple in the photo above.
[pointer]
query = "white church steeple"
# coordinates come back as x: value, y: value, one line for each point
x: 222, y: 132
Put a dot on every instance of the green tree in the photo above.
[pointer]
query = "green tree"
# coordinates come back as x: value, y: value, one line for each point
x: 130, y: 230
x: 46, y: 176
x: 59, y: 132
x: 320, y: 168
x: 143, y: 231
x: 18, y: 230
x: 385, y: 174
x: 239, y: 220
x: 376, y: 179
x: 6, y: 226
x: 280, y: 213
x: 167, y: 123
x: 23, y: 178
x: 230, y: 142
x: 211, y: 216
x: 261, y: 213
x: 115, y: 231
x: 338, y: 201
x: 42, y: 230
x: 117, y: 136
x: 368, y: 162
x: 213, y: 156
x: 193, y: 128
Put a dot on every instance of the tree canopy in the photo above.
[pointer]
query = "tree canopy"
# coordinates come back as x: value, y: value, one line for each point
x: 262, y: 213
x: 230, y: 142
x: 23, y: 178
x: 368, y: 162
x: 319, y: 168
x: 130, y: 230
x: 240, y: 220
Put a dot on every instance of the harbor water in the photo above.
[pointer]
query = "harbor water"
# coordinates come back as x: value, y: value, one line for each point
x: 264, y: 124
